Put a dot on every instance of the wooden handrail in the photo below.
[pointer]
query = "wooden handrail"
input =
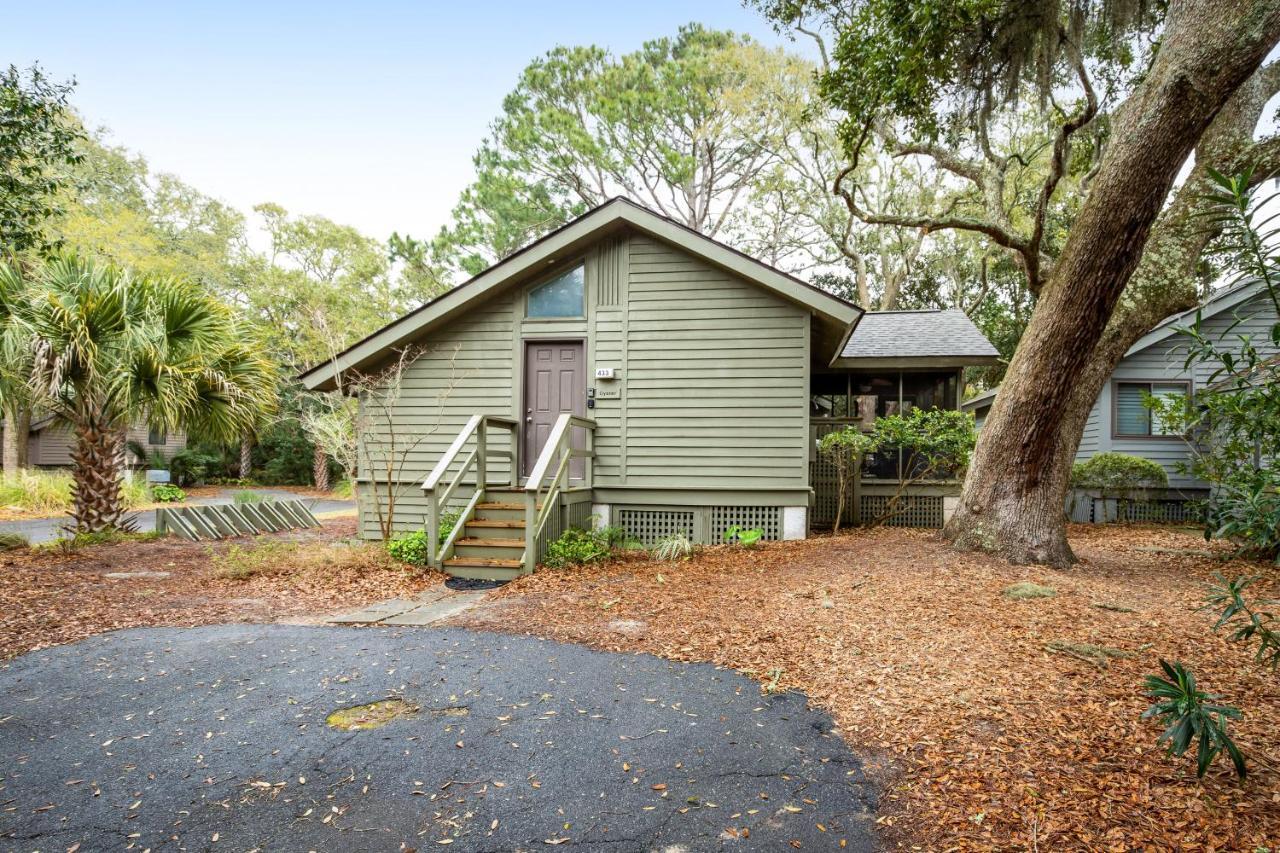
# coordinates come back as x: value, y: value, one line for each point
x: 476, y: 460
x: 560, y: 447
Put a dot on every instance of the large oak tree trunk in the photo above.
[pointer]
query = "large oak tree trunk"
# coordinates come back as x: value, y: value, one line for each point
x: 1013, y: 498
x: 97, y: 502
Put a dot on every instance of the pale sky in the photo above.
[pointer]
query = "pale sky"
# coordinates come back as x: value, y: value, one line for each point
x: 366, y: 113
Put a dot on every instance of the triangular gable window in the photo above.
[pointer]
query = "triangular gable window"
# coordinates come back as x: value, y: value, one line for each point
x: 560, y: 297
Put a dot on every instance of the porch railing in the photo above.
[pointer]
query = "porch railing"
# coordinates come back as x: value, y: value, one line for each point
x: 541, y: 497
x: 475, y: 434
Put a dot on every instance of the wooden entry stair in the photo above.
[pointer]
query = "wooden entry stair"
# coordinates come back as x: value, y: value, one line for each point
x: 501, y: 529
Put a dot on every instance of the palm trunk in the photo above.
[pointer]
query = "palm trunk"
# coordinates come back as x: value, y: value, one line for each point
x: 17, y: 427
x: 97, y: 502
x: 320, y: 470
x: 246, y: 456
x: 1013, y: 498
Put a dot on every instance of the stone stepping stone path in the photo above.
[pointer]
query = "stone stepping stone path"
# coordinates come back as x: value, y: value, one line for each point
x: 427, y: 607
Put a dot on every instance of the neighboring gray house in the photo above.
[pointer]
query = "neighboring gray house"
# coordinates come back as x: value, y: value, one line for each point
x: 49, y: 443
x: 628, y: 368
x: 1119, y: 421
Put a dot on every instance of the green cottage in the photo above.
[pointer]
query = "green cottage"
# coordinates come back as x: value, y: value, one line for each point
x: 627, y: 369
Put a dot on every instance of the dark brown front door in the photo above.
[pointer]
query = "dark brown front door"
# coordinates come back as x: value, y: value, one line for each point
x: 555, y: 381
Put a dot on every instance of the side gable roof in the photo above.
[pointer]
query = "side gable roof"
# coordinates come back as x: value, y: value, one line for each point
x: 614, y: 214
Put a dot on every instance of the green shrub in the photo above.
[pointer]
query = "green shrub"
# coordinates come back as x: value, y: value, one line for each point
x: 677, y: 546
x: 1189, y: 715
x: 736, y: 535
x: 191, y: 466
x: 167, y: 493
x: 410, y: 548
x: 13, y: 541
x: 1118, y: 475
x: 1245, y: 617
x: 344, y: 490
x: 576, y: 547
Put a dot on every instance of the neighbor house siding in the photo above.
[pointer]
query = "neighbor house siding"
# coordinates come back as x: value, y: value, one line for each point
x: 465, y: 368
x: 50, y: 447
x: 1164, y: 361
x: 716, y: 378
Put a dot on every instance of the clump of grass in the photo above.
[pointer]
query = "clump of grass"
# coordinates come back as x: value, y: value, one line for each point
x: 13, y: 541
x: 343, y: 490
x: 76, y: 541
x: 1027, y: 589
x: 248, y: 497
x: 36, y: 491
x: 264, y: 558
x: 243, y: 562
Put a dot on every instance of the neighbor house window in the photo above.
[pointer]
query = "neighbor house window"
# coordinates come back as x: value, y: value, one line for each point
x: 560, y: 297
x: 157, y: 437
x: 1133, y: 418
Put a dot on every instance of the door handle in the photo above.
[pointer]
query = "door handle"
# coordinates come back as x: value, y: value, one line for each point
x: 529, y: 419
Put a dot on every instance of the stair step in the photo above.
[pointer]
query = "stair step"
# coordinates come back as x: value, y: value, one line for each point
x: 495, y: 522
x: 485, y: 573
x: 488, y: 542
x: 482, y: 563
x: 502, y: 505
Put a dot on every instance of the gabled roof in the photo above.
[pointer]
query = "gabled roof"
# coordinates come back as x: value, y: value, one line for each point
x: 917, y: 338
x: 1223, y: 300
x: 613, y: 215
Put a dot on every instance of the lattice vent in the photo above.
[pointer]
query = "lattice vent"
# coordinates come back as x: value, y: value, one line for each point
x: 650, y: 525
x: 1165, y: 511
x: 913, y: 510
x: 766, y: 518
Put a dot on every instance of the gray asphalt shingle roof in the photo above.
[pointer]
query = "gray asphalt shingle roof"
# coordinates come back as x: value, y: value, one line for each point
x: 917, y: 334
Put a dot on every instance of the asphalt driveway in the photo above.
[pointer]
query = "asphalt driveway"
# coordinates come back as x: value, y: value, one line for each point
x: 39, y: 530
x: 215, y: 739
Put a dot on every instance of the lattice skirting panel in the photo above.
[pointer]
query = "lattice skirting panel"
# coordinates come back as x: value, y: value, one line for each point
x: 703, y: 524
x: 766, y: 518
x: 651, y: 524
x: 913, y: 510
x: 1091, y: 510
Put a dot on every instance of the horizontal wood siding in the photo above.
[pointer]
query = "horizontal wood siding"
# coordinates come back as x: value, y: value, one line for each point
x: 471, y: 356
x: 1164, y: 360
x: 716, y: 377
x: 51, y: 446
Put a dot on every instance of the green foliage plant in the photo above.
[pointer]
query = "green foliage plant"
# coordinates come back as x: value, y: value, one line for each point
x: 1246, y: 619
x: 576, y: 547
x: 674, y: 547
x: 1190, y: 716
x: 410, y: 548
x: 167, y: 493
x: 746, y: 538
x: 248, y: 497
x: 844, y: 449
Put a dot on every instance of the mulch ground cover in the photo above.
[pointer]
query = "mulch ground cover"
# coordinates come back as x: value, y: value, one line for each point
x: 49, y: 597
x: 1000, y: 723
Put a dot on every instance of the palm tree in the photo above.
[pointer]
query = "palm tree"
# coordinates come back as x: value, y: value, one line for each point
x: 108, y: 349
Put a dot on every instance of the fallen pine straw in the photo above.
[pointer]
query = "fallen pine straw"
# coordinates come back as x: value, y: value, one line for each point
x: 51, y: 598
x: 995, y: 743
